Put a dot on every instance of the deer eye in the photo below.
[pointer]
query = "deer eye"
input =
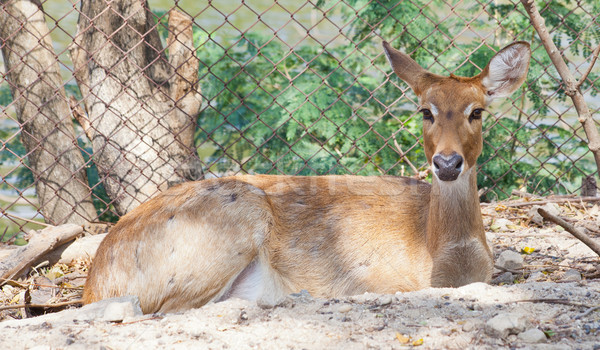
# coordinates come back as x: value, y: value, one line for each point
x: 427, y: 115
x: 476, y: 114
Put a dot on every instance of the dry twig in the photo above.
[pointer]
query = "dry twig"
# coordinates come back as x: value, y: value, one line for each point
x: 520, y: 203
x: 19, y: 306
x: 571, y: 229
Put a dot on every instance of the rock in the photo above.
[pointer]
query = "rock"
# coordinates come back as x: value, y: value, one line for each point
x: 119, y: 310
x: 504, y: 324
x: 536, y: 277
x: 552, y: 208
x: 303, y: 296
x: 501, y: 225
x: 510, y: 260
x: 533, y: 335
x: 506, y: 278
x: 571, y: 275
x: 384, y: 300
x: 363, y: 298
x: 535, y: 216
x: 112, y: 310
x: 344, y: 308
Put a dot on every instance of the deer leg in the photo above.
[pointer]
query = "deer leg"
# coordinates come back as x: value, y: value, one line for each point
x: 183, y: 248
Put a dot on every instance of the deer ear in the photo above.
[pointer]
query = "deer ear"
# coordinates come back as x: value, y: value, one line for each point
x: 405, y: 67
x: 507, y: 70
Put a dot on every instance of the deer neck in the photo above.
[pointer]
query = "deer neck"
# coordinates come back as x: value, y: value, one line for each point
x: 455, y: 237
x: 454, y: 212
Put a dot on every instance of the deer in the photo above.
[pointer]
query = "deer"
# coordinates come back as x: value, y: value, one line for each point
x: 263, y: 237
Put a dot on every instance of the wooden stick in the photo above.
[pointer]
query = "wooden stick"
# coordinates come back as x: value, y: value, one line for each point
x: 516, y: 204
x: 571, y: 229
x: 19, y: 306
x: 587, y: 312
x: 552, y: 301
x: 5, y: 213
x: 403, y: 156
x: 40, y: 243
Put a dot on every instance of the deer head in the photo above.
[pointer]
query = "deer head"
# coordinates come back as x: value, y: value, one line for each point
x: 452, y: 106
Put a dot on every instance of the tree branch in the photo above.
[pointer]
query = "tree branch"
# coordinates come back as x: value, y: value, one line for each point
x: 41, y: 243
x: 572, y: 230
x: 594, y: 57
x: 571, y: 85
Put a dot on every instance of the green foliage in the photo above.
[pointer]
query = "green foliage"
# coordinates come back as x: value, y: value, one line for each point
x: 12, y: 153
x: 275, y: 112
x: 322, y: 110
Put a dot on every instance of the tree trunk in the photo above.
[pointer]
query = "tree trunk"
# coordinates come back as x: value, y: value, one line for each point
x: 141, y: 108
x: 43, y: 112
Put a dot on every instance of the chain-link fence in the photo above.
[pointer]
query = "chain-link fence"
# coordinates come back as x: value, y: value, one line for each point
x: 106, y: 103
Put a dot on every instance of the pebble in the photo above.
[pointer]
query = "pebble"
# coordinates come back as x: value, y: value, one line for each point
x: 571, y: 275
x: 344, y: 308
x: 552, y: 208
x: 510, y: 260
x: 506, y: 278
x: 536, y: 277
x: 112, y: 309
x: 535, y: 216
x: 501, y: 225
x: 504, y: 324
x: 533, y: 335
x: 119, y: 310
x: 384, y: 300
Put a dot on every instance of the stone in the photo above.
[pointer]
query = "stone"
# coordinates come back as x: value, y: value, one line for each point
x: 552, y: 208
x: 344, y: 308
x: 384, y: 300
x: 112, y: 310
x: 119, y: 310
x: 533, y: 335
x: 536, y: 277
x: 504, y: 324
x: 501, y: 225
x: 505, y: 278
x: 571, y: 275
x: 535, y: 216
x: 510, y: 260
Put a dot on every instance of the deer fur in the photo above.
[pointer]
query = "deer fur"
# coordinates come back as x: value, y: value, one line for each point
x: 262, y: 237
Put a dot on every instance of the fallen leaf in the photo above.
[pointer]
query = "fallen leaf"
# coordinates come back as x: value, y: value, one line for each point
x: 417, y: 342
x: 527, y: 250
x: 402, y: 338
x: 501, y: 207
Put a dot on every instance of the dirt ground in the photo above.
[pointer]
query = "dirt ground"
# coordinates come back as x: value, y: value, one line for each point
x: 545, y: 295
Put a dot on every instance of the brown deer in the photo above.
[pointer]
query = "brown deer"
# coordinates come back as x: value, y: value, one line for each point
x: 263, y: 237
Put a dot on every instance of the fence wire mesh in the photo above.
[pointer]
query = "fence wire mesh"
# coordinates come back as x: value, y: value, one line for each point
x: 286, y: 87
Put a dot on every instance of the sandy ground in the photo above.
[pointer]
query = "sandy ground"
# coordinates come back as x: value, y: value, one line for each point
x: 550, y: 301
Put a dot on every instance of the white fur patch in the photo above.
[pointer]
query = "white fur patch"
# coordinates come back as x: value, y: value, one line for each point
x: 458, y: 188
x: 433, y: 109
x: 469, y: 109
x: 248, y: 285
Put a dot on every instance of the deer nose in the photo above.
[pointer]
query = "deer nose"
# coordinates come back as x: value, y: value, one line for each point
x: 447, y: 168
